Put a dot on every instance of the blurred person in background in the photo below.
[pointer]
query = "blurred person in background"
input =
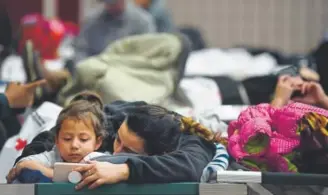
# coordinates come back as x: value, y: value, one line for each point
x: 118, y: 19
x: 159, y: 12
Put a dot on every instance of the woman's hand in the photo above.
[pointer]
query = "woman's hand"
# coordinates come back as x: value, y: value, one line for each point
x: 98, y: 173
x: 285, y: 87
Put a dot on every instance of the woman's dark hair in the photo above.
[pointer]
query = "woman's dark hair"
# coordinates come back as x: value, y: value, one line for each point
x: 85, y: 105
x: 160, y: 135
x: 161, y: 128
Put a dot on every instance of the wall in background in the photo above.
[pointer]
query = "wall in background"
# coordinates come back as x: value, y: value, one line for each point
x: 293, y: 26
x: 288, y: 25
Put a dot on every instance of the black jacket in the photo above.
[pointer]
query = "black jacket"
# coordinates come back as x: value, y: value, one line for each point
x: 185, y: 164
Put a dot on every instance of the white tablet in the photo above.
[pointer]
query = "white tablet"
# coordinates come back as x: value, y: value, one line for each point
x: 63, y: 172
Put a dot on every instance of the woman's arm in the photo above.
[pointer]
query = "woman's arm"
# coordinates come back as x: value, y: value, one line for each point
x: 186, y: 164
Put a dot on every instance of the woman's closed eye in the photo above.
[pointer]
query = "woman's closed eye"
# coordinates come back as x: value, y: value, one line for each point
x: 125, y: 149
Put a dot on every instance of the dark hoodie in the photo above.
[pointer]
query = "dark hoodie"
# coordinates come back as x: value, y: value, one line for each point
x: 185, y: 164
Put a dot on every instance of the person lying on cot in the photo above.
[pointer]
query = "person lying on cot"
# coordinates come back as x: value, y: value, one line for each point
x: 162, y: 141
x: 295, y: 89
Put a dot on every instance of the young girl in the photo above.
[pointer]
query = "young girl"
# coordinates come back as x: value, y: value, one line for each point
x: 80, y: 130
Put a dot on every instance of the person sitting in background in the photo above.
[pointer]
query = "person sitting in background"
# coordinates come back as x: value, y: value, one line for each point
x: 119, y: 18
x: 160, y: 13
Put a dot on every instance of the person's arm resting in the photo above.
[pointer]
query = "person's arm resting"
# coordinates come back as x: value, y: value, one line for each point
x: 183, y: 165
x: 35, y: 165
x: 40, y: 162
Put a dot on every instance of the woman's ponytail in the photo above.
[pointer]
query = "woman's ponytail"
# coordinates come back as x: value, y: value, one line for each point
x: 188, y: 124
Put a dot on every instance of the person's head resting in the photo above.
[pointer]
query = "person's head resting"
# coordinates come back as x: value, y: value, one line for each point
x: 80, y: 127
x: 153, y: 130
x: 114, y: 7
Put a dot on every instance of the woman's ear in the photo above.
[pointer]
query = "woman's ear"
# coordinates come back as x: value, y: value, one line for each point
x: 99, y: 142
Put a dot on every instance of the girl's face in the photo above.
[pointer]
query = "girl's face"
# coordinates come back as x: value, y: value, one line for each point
x: 76, y: 139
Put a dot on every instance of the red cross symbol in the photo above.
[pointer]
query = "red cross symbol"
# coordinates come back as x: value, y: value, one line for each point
x: 20, y: 144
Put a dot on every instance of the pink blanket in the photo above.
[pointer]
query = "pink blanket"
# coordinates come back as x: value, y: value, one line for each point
x: 262, y: 131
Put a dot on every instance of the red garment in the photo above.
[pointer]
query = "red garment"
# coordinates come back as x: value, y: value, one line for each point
x: 46, y: 35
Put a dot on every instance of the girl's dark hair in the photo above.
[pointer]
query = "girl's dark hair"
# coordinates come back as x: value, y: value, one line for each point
x: 85, y: 105
x: 161, y: 128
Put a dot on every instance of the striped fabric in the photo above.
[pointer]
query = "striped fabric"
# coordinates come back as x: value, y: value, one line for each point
x: 220, y: 162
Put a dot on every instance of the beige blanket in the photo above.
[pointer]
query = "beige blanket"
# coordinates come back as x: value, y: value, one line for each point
x: 142, y: 67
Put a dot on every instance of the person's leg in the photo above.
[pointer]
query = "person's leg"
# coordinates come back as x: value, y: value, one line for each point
x: 35, y: 70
